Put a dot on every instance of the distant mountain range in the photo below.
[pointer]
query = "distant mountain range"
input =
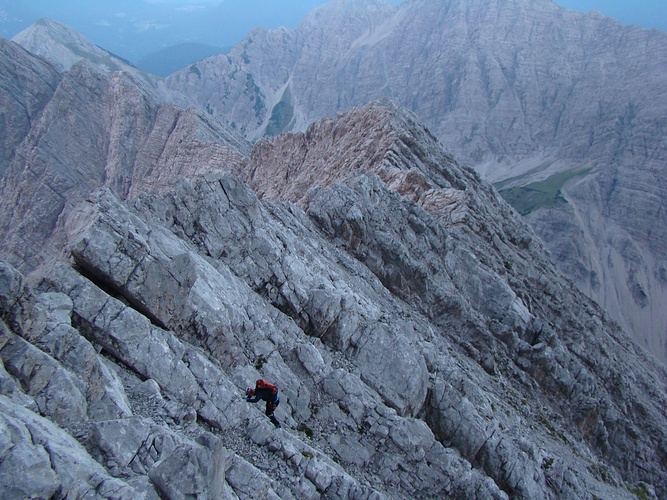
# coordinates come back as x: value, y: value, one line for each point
x: 135, y: 29
x: 167, y: 61
x: 564, y: 112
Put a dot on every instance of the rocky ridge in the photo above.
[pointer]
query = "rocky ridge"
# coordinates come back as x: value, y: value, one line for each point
x: 65, y: 47
x: 73, y: 131
x: 563, y: 111
x: 416, y: 356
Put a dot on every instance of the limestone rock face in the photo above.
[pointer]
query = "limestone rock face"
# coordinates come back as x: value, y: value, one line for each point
x: 21, y: 108
x: 504, y: 76
x: 417, y: 354
x: 71, y: 132
x: 423, y: 343
x: 564, y: 111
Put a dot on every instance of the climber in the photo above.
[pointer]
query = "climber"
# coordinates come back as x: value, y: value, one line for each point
x: 268, y: 392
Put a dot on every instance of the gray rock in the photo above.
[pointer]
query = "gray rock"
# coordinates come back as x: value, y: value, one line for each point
x: 247, y: 481
x: 51, y: 331
x: 177, y: 467
x: 149, y: 389
x: 418, y: 353
x: 312, y: 361
x: 518, y: 100
x: 200, y: 471
x: 70, y: 157
x: 120, y: 440
x: 11, y: 288
x: 55, y: 390
x: 179, y: 369
x: 33, y: 466
x: 39, y: 459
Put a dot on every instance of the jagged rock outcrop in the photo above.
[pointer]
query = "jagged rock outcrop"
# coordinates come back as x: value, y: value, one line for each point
x: 71, y: 132
x: 417, y: 356
x: 564, y: 111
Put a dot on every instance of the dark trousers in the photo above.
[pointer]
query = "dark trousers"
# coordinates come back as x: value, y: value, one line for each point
x: 271, y: 407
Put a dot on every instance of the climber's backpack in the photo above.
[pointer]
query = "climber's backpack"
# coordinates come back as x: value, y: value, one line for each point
x: 263, y: 384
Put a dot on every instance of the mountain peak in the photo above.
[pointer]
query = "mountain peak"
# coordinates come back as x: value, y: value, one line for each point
x: 64, y: 46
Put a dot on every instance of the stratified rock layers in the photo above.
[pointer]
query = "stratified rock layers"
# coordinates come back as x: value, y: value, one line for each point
x: 69, y: 133
x: 423, y: 343
x: 565, y: 111
x: 415, y: 356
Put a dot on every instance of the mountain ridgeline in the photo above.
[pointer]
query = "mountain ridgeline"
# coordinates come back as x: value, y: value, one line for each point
x: 154, y: 264
x: 85, y: 128
x: 564, y: 112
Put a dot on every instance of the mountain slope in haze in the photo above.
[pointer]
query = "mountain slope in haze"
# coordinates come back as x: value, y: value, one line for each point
x: 564, y: 112
x: 171, y: 59
x: 84, y: 128
x: 134, y: 29
x: 65, y: 47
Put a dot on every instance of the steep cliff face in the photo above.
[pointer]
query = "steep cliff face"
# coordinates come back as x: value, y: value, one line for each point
x: 492, y: 80
x: 565, y: 112
x: 71, y: 132
x: 21, y: 70
x: 419, y: 352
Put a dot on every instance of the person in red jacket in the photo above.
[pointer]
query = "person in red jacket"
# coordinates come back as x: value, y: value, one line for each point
x: 268, y: 392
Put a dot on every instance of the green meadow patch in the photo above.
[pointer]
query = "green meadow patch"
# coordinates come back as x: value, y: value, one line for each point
x: 542, y: 194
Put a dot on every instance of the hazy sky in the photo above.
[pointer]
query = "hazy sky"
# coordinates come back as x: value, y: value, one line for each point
x: 135, y: 28
x: 645, y: 13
